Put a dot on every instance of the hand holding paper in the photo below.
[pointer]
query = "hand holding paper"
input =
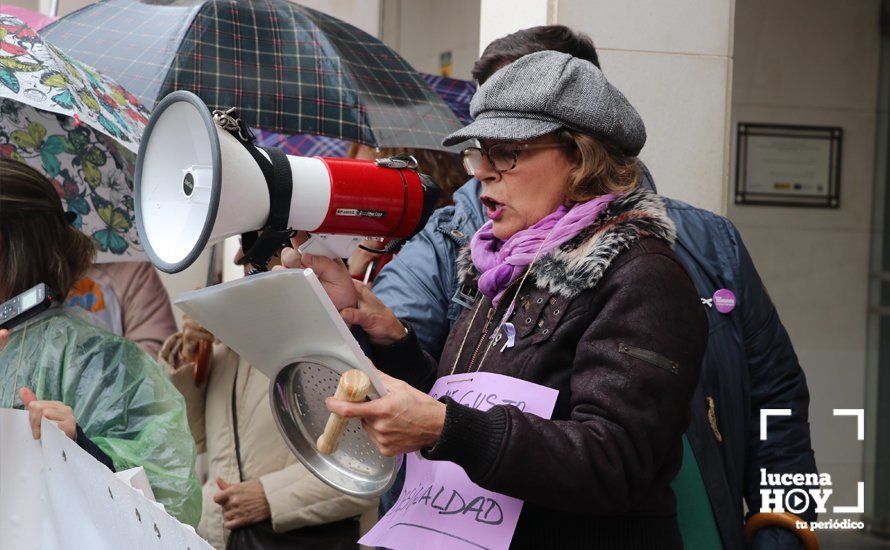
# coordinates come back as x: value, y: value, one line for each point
x: 332, y: 273
x: 378, y: 321
x: 56, y: 411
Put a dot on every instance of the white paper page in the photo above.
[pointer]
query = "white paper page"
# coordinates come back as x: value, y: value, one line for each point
x: 136, y: 478
x: 273, y: 318
x: 23, y: 498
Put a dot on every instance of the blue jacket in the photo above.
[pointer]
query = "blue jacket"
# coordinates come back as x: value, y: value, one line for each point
x: 750, y: 363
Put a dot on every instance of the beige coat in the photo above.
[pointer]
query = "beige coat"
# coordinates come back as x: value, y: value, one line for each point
x: 296, y: 497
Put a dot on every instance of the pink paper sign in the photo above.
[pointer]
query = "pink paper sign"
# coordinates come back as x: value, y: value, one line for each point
x: 440, y: 508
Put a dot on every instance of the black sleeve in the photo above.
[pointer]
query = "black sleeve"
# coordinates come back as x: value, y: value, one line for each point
x: 87, y: 445
x: 405, y: 360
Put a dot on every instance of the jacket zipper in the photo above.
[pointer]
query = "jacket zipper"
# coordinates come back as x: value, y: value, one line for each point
x: 479, y: 343
x: 450, y: 234
x: 491, y: 312
x: 650, y: 357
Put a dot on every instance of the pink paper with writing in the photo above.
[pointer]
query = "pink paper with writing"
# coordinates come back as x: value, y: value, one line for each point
x: 439, y: 506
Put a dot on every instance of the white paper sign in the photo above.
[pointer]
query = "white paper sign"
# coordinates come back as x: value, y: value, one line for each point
x: 54, y: 495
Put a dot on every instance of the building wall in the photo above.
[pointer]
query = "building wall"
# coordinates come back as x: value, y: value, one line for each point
x: 420, y: 30
x: 673, y: 61
x: 815, y: 62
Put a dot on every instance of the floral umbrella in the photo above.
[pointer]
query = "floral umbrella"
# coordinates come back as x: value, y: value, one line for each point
x: 35, y: 73
x: 92, y: 173
x: 59, y: 117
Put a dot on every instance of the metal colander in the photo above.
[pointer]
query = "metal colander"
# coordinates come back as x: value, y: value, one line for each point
x: 298, y: 404
x: 285, y: 326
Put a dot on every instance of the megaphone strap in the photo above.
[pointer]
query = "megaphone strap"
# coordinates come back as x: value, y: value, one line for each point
x: 260, y: 247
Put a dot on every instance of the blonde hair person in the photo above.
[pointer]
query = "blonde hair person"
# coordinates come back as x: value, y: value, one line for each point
x: 572, y: 285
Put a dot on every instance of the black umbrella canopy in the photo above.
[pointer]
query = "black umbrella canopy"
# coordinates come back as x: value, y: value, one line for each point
x: 287, y: 68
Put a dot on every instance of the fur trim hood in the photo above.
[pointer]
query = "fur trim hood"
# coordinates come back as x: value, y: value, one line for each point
x: 580, y: 263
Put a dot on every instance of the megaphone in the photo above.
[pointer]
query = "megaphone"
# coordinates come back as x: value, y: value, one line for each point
x: 200, y: 179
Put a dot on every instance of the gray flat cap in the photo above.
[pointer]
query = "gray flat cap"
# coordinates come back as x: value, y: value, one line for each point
x: 542, y: 92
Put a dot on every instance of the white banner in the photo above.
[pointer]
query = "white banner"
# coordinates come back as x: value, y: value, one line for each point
x: 54, y: 495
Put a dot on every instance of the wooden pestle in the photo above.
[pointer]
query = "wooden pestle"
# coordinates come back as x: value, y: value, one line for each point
x: 354, y: 386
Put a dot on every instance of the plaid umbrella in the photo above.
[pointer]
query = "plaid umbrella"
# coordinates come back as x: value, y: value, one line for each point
x: 456, y: 94
x: 56, y: 115
x: 287, y: 68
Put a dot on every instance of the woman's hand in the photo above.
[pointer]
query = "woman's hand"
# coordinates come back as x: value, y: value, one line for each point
x: 243, y: 503
x: 56, y: 411
x: 4, y: 336
x: 332, y: 274
x: 402, y: 421
x: 192, y: 335
x: 377, y: 320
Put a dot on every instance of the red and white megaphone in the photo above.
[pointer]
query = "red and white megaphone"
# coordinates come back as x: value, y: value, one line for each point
x: 200, y: 179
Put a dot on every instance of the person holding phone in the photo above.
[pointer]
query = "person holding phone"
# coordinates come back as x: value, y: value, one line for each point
x: 100, y: 389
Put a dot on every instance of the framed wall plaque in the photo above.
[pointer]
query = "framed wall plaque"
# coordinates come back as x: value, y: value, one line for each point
x: 783, y: 165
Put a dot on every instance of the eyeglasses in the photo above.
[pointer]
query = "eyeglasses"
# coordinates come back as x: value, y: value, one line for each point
x: 502, y: 156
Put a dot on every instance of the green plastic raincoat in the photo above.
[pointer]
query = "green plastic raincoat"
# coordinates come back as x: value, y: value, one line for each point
x: 120, y: 397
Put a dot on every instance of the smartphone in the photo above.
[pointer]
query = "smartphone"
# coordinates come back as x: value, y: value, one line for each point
x: 24, y: 306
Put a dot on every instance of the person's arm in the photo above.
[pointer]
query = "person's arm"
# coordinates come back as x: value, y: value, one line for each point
x: 299, y: 499
x: 777, y: 382
x: 627, y: 415
x: 87, y: 445
x: 145, y: 306
x: 417, y: 285
x: 182, y: 374
x: 129, y: 409
x: 63, y: 416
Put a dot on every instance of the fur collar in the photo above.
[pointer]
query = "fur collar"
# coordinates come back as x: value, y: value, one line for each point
x: 580, y: 263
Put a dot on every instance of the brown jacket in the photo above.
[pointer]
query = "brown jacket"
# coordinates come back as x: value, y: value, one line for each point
x: 612, y: 321
x: 296, y: 497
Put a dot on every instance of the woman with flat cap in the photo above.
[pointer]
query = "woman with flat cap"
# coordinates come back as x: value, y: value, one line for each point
x: 579, y: 291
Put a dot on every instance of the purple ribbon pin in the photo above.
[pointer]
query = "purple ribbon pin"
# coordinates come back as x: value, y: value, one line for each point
x: 510, y: 331
x: 724, y: 300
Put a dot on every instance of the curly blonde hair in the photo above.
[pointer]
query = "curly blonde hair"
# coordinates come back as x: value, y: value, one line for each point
x: 602, y: 168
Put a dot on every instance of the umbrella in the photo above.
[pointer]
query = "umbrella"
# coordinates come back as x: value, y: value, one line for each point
x: 303, y: 145
x: 456, y: 94
x: 78, y: 128
x: 35, y: 73
x: 33, y: 19
x: 287, y: 68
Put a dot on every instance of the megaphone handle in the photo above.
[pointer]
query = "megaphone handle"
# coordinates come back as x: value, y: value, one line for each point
x: 354, y: 386
x: 332, y: 246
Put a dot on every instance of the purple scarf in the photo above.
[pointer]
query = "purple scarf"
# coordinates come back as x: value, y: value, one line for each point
x: 500, y: 263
